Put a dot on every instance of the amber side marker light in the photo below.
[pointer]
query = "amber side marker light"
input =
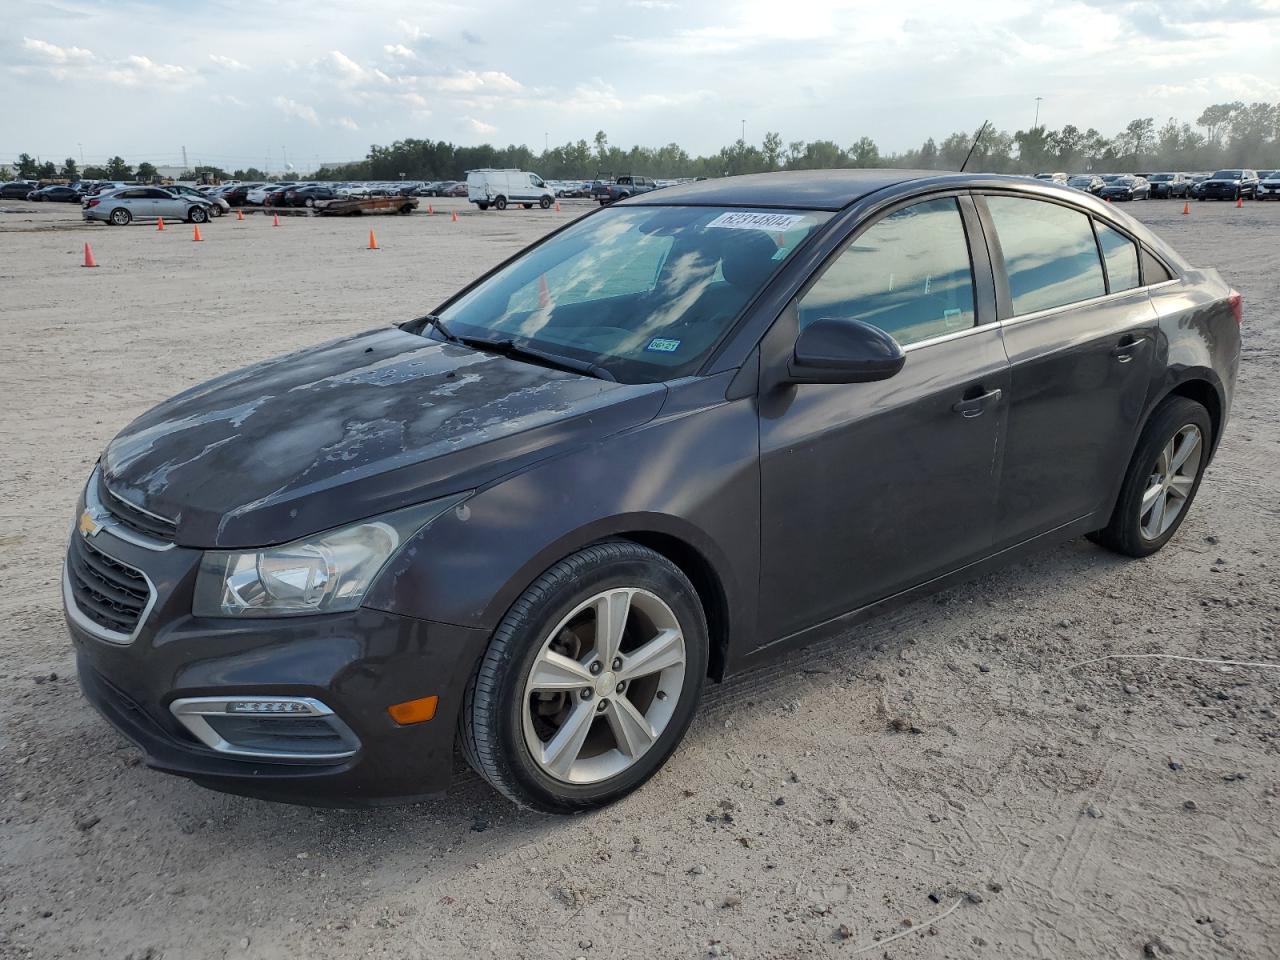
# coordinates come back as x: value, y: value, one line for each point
x: 413, y: 711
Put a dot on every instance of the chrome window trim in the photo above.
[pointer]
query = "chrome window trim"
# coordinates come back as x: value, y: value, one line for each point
x: 81, y: 620
x: 1092, y: 301
x: 191, y: 711
x: 108, y: 521
x: 947, y: 337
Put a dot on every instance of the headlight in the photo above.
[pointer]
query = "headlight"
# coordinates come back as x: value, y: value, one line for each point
x: 324, y: 573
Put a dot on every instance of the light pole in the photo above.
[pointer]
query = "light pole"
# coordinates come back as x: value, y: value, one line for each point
x: 1036, y: 125
x: 744, y: 131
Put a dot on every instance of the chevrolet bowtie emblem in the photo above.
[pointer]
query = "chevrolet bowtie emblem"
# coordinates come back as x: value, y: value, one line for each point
x: 89, y: 525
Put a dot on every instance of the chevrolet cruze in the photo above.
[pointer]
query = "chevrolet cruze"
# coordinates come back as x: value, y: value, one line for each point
x: 686, y: 433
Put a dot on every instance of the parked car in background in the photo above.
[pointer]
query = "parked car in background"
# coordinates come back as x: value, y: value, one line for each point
x: 458, y: 188
x: 16, y: 189
x: 1268, y: 185
x: 309, y: 196
x: 442, y: 187
x: 1125, y: 186
x: 1088, y: 182
x: 647, y: 451
x: 625, y: 187
x: 217, y: 205
x: 498, y: 188
x: 258, y: 195
x: 121, y: 207
x: 1169, y: 185
x: 274, y: 195
x: 1052, y: 177
x: 1229, y: 185
x: 56, y: 194
x: 237, y: 195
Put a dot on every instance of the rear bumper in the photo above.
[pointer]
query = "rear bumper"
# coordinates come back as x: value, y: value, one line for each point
x: 357, y: 664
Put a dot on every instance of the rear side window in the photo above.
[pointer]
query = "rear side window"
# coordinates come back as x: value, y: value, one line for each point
x: 1153, y: 271
x: 1121, y: 257
x: 1049, y: 253
x: 908, y: 274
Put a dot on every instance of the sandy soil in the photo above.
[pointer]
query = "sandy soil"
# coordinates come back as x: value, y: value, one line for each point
x: 946, y: 777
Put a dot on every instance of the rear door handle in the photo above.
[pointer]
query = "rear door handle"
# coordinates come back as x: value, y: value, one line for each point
x: 975, y: 406
x: 1124, y: 350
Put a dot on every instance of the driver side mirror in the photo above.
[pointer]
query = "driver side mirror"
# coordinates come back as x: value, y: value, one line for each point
x: 843, y: 350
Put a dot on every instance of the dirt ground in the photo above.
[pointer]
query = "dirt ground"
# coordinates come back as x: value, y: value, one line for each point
x: 965, y: 776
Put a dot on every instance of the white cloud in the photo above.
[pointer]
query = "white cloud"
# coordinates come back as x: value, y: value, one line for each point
x: 136, y: 70
x: 346, y: 123
x: 54, y: 52
x: 472, y: 81
x: 400, y: 50
x: 227, y: 99
x: 299, y: 111
x: 227, y: 63
x: 411, y: 30
x: 345, y: 64
x: 478, y: 126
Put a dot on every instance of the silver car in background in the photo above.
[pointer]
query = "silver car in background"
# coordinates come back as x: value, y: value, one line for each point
x: 121, y: 207
x: 217, y: 206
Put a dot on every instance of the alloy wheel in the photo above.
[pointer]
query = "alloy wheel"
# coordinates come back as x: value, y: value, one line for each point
x: 604, y: 686
x: 1173, y: 477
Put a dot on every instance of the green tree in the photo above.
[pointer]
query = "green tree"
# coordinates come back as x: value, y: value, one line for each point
x: 146, y: 172
x: 1215, y: 119
x: 772, y: 150
x: 864, y: 153
x: 117, y: 169
x: 47, y: 170
x: 69, y: 169
x: 27, y: 166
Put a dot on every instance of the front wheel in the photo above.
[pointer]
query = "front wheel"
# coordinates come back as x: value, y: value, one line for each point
x: 1162, y: 481
x: 215, y: 210
x: 544, y: 203
x: 590, y: 681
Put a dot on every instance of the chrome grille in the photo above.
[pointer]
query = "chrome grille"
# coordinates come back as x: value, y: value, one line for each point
x: 133, y: 516
x: 110, y: 594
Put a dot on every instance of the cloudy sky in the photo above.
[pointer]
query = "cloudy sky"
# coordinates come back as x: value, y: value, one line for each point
x: 241, y: 83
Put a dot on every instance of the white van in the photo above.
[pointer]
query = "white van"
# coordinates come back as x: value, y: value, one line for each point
x: 498, y: 188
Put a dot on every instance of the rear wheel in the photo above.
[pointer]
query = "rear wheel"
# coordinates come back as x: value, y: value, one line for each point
x: 215, y: 210
x: 1162, y: 481
x: 483, y: 206
x: 589, y: 682
x: 121, y: 217
x: 500, y: 203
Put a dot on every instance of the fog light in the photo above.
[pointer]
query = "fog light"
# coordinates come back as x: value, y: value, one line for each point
x: 413, y: 711
x: 269, y: 706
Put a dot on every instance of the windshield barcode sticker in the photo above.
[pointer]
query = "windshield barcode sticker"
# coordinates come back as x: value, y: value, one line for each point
x: 772, y: 222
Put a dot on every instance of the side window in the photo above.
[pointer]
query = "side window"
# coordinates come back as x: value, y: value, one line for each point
x: 908, y: 274
x: 1049, y: 253
x: 1153, y: 271
x: 1121, y: 257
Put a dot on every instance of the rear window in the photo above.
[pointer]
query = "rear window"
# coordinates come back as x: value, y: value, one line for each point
x: 1120, y: 254
x: 1050, y: 253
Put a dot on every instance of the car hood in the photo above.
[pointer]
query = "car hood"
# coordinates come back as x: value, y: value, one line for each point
x: 350, y: 429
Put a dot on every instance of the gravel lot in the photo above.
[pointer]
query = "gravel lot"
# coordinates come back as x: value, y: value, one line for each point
x: 946, y: 776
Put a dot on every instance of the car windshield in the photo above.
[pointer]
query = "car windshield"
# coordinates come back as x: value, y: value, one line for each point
x: 1228, y: 175
x: 644, y: 292
x: 1267, y: 174
x: 1160, y: 177
x: 1074, y: 180
x: 1112, y: 177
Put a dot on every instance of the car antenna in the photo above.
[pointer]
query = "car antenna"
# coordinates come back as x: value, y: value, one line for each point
x: 976, y: 141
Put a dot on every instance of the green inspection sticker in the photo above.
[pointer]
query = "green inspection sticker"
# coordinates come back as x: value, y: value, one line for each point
x: 663, y: 345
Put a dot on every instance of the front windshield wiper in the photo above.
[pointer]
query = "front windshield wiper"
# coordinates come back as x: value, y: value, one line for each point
x: 509, y: 348
x: 431, y: 320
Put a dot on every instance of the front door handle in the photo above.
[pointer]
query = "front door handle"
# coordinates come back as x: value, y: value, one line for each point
x: 971, y: 407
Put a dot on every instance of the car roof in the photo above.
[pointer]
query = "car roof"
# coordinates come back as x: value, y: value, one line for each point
x: 801, y: 189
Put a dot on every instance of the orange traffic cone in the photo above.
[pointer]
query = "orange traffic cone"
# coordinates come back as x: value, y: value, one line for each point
x: 1239, y: 202
x: 430, y: 210
x: 373, y: 241
x: 160, y: 223
x: 455, y: 216
x: 239, y: 214
x: 195, y: 233
x: 88, y: 256
x: 275, y: 219
x: 557, y: 206
x: 1186, y: 207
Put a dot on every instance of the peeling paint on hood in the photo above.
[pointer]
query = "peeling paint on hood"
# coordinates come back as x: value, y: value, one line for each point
x: 351, y: 428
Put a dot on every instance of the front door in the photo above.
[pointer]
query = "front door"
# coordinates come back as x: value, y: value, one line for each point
x: 869, y: 489
x: 1081, y: 336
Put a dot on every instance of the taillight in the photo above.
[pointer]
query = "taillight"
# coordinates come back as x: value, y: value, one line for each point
x: 92, y: 203
x: 1236, y: 302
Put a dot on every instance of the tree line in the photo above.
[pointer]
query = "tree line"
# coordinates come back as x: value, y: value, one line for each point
x: 1224, y: 135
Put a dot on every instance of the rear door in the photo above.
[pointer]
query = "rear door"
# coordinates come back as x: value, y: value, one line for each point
x: 1081, y: 335
x: 868, y: 489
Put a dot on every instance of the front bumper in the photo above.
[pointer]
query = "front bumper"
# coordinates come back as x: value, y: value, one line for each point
x: 356, y: 663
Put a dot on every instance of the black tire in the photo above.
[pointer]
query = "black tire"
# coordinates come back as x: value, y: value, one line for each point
x: 544, y: 203
x: 198, y: 215
x: 406, y: 209
x: 500, y: 203
x: 121, y: 217
x: 483, y: 206
x: 490, y: 722
x: 309, y: 201
x: 1123, y: 533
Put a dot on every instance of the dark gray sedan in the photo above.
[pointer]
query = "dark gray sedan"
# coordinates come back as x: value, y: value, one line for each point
x: 692, y: 431
x: 121, y: 207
